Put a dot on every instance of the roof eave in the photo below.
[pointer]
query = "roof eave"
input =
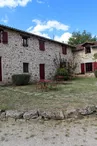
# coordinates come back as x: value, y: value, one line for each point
x: 31, y: 34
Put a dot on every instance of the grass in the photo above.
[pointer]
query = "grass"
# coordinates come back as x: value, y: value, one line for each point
x: 80, y: 92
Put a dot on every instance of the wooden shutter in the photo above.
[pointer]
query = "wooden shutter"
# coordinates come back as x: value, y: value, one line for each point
x: 82, y: 68
x: 41, y: 45
x: 5, y: 37
x: 64, y: 50
x: 94, y: 66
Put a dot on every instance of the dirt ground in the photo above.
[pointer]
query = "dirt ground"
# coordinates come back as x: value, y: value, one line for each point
x: 49, y: 133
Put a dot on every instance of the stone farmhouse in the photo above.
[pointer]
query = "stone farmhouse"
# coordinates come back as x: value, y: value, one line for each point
x: 23, y: 52
x: 84, y: 56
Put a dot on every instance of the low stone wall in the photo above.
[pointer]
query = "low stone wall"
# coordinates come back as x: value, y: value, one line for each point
x: 47, y: 115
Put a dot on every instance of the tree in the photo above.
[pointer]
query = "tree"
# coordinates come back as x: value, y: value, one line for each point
x: 80, y: 38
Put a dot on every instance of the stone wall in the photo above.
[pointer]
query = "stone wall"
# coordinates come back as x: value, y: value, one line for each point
x: 47, y: 115
x: 81, y: 57
x: 14, y: 54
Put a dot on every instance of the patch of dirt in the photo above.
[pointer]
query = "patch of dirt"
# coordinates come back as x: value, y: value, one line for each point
x: 49, y: 133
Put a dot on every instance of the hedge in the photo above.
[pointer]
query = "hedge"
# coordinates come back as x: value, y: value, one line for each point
x: 95, y: 73
x: 20, y: 79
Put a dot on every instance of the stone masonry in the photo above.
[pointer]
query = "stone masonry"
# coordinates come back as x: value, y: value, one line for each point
x: 14, y: 54
x: 81, y: 57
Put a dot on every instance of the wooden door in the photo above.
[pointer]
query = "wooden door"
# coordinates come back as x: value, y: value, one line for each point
x: 82, y: 68
x: 42, y: 71
x: 0, y: 70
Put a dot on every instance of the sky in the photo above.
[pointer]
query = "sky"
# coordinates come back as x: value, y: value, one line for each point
x: 54, y: 19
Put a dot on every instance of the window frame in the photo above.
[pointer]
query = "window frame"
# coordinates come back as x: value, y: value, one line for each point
x: 25, y: 68
x: 89, y: 67
x: 25, y: 39
x: 87, y: 49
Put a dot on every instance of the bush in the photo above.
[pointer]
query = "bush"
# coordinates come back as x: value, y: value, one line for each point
x: 63, y: 72
x: 21, y: 79
x: 95, y: 73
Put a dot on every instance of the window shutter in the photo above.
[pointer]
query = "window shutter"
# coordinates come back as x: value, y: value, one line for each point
x: 82, y: 68
x: 64, y: 50
x: 94, y: 66
x: 41, y: 45
x: 5, y: 37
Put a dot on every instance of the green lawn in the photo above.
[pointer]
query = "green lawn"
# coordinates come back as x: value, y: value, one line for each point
x: 78, y: 93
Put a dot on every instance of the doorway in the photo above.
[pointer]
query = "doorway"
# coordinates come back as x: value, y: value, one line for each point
x: 42, y: 71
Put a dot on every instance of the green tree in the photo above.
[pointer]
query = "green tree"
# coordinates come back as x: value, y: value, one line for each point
x: 79, y: 38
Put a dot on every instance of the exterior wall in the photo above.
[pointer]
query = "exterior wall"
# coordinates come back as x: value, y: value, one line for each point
x: 14, y: 54
x: 81, y: 57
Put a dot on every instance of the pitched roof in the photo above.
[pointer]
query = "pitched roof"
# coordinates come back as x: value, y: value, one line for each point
x: 90, y: 43
x: 80, y: 47
x: 31, y: 34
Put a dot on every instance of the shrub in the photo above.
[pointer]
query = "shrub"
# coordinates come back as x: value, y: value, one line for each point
x: 63, y: 72
x: 95, y: 73
x: 21, y: 79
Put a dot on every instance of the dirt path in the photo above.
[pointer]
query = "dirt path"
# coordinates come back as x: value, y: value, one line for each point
x: 49, y: 133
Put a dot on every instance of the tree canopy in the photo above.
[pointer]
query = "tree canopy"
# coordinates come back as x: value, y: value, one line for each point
x: 80, y: 38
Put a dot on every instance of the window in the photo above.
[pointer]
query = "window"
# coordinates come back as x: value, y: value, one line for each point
x: 25, y: 67
x: 89, y: 67
x: 64, y: 50
x: 87, y: 50
x: 41, y: 45
x: 3, y: 37
x: 25, y: 42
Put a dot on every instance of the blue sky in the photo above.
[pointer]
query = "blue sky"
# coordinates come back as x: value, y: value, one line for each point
x: 50, y: 18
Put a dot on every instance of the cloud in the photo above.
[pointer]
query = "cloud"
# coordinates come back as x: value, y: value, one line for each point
x: 42, y: 34
x: 5, y: 19
x: 64, y: 37
x: 30, y: 29
x: 47, y: 28
x: 43, y: 2
x: 13, y: 3
x: 51, y: 24
x: 40, y: 2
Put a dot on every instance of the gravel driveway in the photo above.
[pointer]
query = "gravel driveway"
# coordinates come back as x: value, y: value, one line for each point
x: 49, y: 133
